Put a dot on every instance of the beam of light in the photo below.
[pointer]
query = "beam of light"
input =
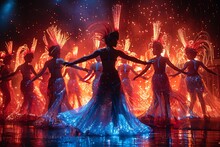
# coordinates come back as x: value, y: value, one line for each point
x: 182, y: 36
x: 116, y: 11
x: 156, y: 30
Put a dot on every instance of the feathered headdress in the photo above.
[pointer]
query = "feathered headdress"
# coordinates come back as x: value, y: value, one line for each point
x: 56, y: 36
x: 23, y: 50
x: 201, y: 44
x: 116, y: 12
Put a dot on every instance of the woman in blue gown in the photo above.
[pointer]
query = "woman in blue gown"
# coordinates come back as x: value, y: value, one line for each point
x: 107, y: 113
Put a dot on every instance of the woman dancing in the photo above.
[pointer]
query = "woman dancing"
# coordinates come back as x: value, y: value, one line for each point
x: 5, y: 85
x: 107, y: 113
x: 27, y: 90
x: 194, y: 82
x: 160, y: 108
x: 133, y: 99
x: 56, y: 88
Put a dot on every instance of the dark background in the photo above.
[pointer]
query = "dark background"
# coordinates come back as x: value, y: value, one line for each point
x: 22, y: 20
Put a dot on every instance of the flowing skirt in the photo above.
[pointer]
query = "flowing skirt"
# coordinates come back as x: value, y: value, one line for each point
x: 107, y: 113
x: 95, y: 85
x: 164, y: 98
x: 57, y: 103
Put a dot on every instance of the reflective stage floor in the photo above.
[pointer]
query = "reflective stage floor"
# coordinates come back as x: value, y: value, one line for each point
x: 193, y: 132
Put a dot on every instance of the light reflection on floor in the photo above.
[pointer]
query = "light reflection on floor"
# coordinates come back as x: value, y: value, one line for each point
x: 26, y: 135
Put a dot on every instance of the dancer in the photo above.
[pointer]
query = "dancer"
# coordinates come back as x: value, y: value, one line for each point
x: 95, y: 70
x: 5, y: 85
x: 27, y: 70
x: 56, y: 88
x: 107, y: 112
x: 133, y: 99
x: 160, y: 84
x: 194, y: 82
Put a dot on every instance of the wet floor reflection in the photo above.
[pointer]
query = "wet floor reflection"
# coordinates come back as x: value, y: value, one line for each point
x: 27, y: 135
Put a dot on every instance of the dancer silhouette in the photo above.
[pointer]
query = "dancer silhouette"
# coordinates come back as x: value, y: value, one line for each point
x: 107, y: 113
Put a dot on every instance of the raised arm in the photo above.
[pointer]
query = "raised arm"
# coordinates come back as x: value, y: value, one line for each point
x: 85, y: 58
x: 133, y: 59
